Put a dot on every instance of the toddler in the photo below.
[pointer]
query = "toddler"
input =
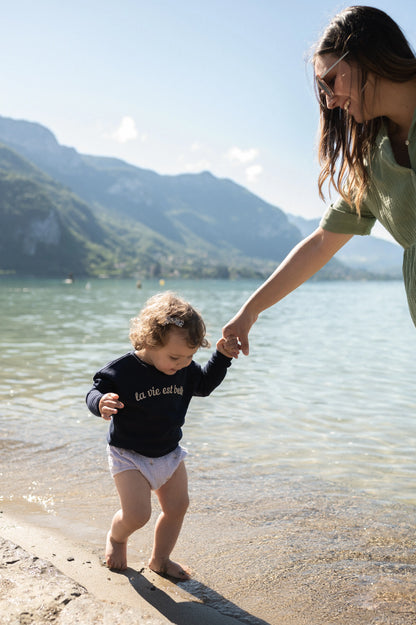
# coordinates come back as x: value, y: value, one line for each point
x: 145, y: 395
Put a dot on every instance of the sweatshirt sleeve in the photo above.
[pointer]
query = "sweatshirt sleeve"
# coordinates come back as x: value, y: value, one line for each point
x: 102, y: 385
x: 212, y: 374
x: 93, y: 399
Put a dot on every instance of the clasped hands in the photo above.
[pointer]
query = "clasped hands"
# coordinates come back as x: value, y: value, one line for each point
x: 229, y: 346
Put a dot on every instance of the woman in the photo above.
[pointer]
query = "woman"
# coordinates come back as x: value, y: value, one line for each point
x: 365, y: 74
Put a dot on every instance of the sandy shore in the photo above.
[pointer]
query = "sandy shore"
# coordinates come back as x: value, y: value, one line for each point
x: 297, y: 558
x: 46, y: 578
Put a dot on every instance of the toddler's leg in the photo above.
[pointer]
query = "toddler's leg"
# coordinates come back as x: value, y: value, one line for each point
x: 174, y: 501
x: 134, y: 492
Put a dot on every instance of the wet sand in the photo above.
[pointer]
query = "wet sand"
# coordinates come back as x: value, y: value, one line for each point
x: 71, y: 589
x: 283, y: 553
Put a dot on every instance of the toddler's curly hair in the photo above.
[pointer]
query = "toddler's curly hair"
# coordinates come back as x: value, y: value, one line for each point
x: 160, y: 314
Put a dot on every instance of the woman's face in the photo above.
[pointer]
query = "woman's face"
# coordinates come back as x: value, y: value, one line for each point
x: 344, y: 80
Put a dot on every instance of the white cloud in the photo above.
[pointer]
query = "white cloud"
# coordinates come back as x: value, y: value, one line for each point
x: 253, y: 172
x: 127, y: 130
x: 242, y: 156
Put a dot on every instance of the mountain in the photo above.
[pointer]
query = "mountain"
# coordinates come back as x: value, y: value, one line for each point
x: 362, y: 252
x: 39, y: 217
x: 64, y: 212
x: 219, y: 212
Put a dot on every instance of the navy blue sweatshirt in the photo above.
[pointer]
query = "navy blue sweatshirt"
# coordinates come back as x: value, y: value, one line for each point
x: 155, y: 404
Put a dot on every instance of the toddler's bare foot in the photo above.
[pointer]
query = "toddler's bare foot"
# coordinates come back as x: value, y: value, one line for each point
x: 115, y: 554
x: 170, y: 569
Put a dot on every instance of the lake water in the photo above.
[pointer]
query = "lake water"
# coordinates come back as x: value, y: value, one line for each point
x: 325, y: 403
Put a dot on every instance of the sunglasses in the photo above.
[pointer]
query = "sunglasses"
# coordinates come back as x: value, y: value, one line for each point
x: 323, y: 86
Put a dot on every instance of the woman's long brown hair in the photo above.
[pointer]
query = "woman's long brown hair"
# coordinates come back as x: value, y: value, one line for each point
x: 376, y: 45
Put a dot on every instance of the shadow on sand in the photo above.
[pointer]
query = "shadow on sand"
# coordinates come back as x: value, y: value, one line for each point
x: 209, y: 608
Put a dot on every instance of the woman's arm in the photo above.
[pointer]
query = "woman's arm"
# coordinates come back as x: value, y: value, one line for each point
x: 308, y: 257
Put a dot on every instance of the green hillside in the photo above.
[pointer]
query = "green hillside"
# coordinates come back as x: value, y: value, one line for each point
x: 48, y: 230
x: 62, y: 212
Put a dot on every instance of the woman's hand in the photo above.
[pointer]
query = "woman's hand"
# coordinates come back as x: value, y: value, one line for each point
x: 109, y: 405
x: 228, y: 347
x: 238, y: 328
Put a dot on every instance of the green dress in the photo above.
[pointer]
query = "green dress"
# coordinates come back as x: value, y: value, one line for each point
x: 391, y: 198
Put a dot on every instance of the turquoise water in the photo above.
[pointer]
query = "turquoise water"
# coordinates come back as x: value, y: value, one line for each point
x: 327, y: 391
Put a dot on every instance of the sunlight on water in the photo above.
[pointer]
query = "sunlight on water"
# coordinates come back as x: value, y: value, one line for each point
x: 327, y: 391
x: 301, y: 463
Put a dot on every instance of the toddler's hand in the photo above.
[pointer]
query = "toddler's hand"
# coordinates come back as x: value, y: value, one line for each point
x: 229, y: 347
x: 109, y: 405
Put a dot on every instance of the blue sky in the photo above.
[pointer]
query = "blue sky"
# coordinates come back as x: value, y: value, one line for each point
x: 178, y: 85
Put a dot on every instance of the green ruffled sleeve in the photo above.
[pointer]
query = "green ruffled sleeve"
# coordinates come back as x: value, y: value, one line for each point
x: 343, y: 219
